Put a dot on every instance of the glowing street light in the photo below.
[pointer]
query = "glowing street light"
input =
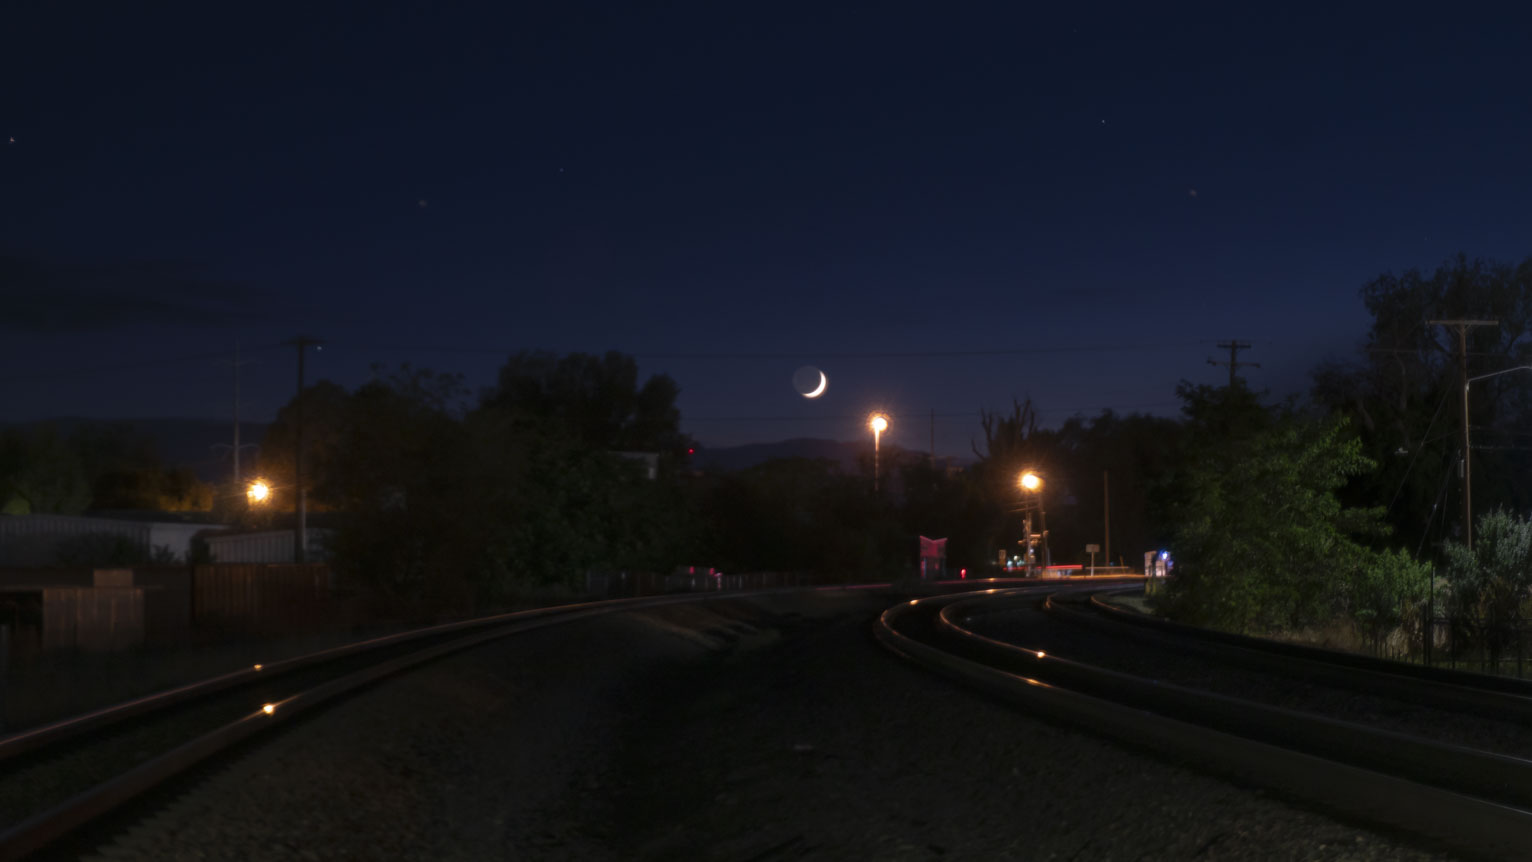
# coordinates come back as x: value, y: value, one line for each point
x: 258, y: 492
x: 878, y: 423
x: 1032, y: 483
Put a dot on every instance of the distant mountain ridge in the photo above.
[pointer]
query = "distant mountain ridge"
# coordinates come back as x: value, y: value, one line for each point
x: 843, y: 452
x: 202, y: 445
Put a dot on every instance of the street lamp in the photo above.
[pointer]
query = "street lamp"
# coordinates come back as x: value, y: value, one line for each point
x: 878, y: 423
x: 1467, y: 479
x: 258, y: 492
x: 1032, y: 483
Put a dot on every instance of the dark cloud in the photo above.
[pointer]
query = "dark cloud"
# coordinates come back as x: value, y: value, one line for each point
x: 45, y: 296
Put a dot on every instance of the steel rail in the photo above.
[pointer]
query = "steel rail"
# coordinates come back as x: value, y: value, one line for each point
x: 1471, y: 679
x: 1045, y: 684
x: 49, y: 826
x: 21, y: 742
x: 1459, y: 692
x: 1501, y: 778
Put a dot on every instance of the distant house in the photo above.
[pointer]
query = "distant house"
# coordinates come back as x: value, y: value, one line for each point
x: 40, y: 540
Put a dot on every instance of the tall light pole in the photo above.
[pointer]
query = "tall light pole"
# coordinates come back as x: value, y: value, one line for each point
x: 1462, y: 327
x: 1032, y: 483
x: 878, y: 423
x: 300, y: 532
x: 1467, y: 479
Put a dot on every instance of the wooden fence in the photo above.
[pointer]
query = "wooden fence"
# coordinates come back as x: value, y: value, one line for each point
x: 94, y: 619
x: 261, y: 598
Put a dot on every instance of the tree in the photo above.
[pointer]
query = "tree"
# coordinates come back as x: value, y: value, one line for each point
x: 397, y: 460
x: 124, y: 469
x: 1488, y: 585
x: 1139, y: 453
x: 1011, y: 444
x: 449, y: 508
x: 325, y: 407
x: 1403, y: 398
x: 1261, y: 540
x: 1387, y: 596
x: 803, y: 515
x: 40, y: 473
x: 593, y: 400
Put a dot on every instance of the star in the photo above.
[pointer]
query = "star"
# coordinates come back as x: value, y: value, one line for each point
x: 1191, y: 192
x: 421, y: 203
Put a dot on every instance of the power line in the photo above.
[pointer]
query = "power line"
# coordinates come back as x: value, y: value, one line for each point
x: 1462, y: 327
x: 300, y: 537
x: 913, y: 416
x: 801, y: 354
x: 117, y: 367
x: 1418, y: 449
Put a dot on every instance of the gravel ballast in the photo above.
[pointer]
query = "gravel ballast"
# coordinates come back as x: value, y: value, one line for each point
x: 759, y: 729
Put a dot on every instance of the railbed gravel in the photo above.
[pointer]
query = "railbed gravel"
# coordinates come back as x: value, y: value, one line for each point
x: 765, y: 729
x: 1036, y: 629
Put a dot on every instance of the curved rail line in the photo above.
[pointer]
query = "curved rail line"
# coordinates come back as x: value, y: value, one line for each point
x: 1475, y: 802
x: 1443, y: 688
x: 306, y: 682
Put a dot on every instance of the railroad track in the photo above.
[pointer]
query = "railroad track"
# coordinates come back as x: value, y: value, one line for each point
x: 1474, y: 801
x: 59, y: 778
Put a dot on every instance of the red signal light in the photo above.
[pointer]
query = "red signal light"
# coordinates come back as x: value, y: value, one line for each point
x: 691, y: 451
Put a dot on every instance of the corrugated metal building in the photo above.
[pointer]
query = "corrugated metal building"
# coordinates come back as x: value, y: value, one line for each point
x: 267, y: 546
x: 34, y: 540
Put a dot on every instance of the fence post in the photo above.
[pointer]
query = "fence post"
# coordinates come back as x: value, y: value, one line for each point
x: 5, y: 668
x: 1430, y: 626
x: 1522, y: 633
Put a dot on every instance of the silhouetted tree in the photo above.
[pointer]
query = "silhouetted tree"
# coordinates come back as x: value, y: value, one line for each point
x: 1261, y: 540
x: 1488, y: 585
x: 1404, y: 397
x: 40, y: 473
x: 596, y: 401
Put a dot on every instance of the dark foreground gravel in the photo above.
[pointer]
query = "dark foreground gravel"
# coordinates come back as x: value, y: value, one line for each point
x: 765, y: 730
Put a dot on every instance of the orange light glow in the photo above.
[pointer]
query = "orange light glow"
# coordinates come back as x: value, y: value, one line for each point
x: 258, y: 667
x: 1031, y: 481
x: 878, y: 423
x: 269, y: 708
x: 258, y: 492
x: 1040, y: 653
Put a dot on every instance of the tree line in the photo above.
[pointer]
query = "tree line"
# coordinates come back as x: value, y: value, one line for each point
x: 1337, y: 508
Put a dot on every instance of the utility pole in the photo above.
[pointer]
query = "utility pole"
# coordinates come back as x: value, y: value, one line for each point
x: 1462, y: 327
x: 1106, y: 507
x: 933, y: 438
x: 1234, y: 347
x: 300, y: 534
x: 237, y: 364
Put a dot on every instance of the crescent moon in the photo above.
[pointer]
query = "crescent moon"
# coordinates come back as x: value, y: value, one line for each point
x: 820, y: 389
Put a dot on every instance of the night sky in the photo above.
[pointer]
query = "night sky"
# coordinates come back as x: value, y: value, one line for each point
x: 943, y: 206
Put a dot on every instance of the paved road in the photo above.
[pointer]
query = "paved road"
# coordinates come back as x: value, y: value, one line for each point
x: 681, y: 734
